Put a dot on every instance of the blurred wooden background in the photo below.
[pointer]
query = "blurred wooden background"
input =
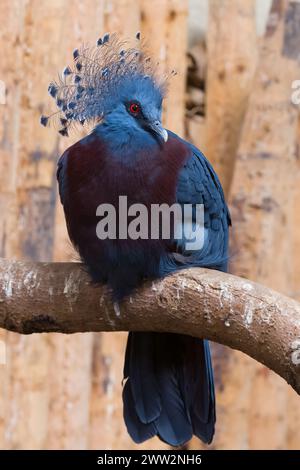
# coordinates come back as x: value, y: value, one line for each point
x: 232, y: 98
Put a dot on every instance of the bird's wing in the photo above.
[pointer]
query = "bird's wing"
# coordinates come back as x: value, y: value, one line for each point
x: 199, y: 184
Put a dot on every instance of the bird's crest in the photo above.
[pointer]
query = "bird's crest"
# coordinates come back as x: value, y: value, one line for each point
x: 84, y: 92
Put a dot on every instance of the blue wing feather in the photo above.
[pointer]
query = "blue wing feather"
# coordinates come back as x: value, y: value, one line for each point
x: 199, y: 184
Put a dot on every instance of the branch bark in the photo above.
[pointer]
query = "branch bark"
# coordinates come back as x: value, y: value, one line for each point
x: 45, y: 297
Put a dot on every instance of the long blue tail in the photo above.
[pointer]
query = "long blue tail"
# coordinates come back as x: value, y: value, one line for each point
x: 169, y: 388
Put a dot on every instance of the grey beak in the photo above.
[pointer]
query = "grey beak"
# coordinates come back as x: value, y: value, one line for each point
x: 157, y: 127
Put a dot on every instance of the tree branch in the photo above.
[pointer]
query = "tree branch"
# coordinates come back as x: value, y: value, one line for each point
x: 45, y: 297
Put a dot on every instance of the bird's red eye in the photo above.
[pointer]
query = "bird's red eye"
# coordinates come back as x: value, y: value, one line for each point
x: 134, y: 108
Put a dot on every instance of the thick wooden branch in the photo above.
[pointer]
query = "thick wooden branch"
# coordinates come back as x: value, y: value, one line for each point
x: 45, y: 297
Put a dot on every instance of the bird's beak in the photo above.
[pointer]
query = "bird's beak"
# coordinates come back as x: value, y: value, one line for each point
x: 157, y: 127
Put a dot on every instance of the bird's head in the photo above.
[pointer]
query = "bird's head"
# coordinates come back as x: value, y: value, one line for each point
x: 137, y: 108
x: 111, y: 85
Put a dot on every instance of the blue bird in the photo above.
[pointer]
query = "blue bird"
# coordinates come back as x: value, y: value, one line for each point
x: 168, y: 388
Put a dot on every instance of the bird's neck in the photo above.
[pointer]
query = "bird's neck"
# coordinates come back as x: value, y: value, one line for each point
x: 123, y: 141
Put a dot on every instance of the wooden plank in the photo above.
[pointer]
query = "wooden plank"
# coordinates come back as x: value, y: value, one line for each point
x: 232, y: 57
x: 261, y: 209
x: 29, y: 165
x: 70, y: 390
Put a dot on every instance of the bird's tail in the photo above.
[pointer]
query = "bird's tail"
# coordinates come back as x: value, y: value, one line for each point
x: 169, y: 388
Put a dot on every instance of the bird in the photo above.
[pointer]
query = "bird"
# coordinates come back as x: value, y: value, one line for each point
x: 118, y: 90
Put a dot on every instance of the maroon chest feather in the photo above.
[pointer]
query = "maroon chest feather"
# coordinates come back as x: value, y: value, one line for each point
x: 95, y: 177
